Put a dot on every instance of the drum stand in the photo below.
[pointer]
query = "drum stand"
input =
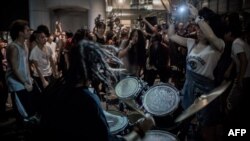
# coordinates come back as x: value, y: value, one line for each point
x: 189, y: 129
x: 111, y: 101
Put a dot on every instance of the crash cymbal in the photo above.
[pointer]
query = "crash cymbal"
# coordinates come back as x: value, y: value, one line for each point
x: 203, y: 101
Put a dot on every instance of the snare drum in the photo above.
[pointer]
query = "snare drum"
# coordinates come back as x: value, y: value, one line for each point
x: 118, y: 123
x: 130, y: 88
x: 158, y: 135
x: 162, y: 101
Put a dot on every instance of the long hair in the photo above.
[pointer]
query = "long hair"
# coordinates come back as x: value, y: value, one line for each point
x: 88, y: 63
x: 214, y: 21
x: 137, y: 53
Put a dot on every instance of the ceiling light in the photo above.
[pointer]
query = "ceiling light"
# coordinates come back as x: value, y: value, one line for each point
x: 120, y: 1
x: 109, y: 8
x: 156, y: 2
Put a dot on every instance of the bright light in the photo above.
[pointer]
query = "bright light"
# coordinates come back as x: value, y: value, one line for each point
x: 156, y: 2
x: 182, y: 9
x: 120, y: 1
x: 109, y: 8
x: 148, y: 7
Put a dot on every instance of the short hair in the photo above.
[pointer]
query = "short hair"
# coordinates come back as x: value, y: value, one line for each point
x: 100, y: 25
x: 33, y: 36
x: 117, y: 19
x: 235, y: 25
x: 16, y: 27
x: 80, y: 35
x: 44, y: 29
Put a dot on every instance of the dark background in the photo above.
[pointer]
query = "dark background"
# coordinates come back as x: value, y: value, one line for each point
x: 152, y: 21
x: 11, y: 10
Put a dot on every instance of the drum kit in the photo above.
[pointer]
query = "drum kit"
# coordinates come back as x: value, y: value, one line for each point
x: 117, y: 122
x: 162, y: 101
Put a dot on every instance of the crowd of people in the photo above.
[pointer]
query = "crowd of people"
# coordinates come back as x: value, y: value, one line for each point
x: 48, y: 74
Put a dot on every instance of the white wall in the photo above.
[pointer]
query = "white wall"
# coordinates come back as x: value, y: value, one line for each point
x: 96, y: 7
x: 51, y: 4
x: 73, y: 14
x: 43, y: 12
x: 39, y: 14
x: 71, y: 20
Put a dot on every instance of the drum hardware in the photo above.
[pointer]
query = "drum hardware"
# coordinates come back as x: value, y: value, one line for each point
x: 118, y: 123
x: 111, y: 101
x: 162, y: 101
x: 203, y: 101
x: 130, y: 88
x: 117, y: 69
x: 132, y: 104
x: 159, y: 135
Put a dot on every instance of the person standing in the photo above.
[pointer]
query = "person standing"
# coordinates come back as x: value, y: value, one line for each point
x: 42, y: 59
x: 236, y: 103
x: 3, y: 86
x: 202, y: 58
x: 133, y: 53
x: 18, y: 76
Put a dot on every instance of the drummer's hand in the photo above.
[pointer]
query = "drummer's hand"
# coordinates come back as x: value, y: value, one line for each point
x: 142, y: 126
x: 146, y: 123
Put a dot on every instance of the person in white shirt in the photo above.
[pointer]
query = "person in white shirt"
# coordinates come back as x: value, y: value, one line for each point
x: 240, y: 54
x: 203, y: 55
x: 42, y: 60
x: 50, y: 43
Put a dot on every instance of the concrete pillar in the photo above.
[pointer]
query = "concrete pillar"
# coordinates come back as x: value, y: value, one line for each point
x: 96, y: 7
x: 39, y: 13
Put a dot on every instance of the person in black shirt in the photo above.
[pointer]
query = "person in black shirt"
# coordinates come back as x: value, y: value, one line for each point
x: 3, y: 85
x: 71, y: 112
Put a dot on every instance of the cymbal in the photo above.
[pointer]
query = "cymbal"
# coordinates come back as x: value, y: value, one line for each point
x: 117, y: 69
x: 203, y: 101
x: 131, y: 104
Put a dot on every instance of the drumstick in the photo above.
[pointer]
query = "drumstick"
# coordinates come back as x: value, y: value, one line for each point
x: 131, y: 105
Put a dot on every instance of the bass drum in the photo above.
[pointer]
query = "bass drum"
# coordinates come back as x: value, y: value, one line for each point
x: 130, y: 88
x: 163, y: 102
x: 118, y: 123
x: 158, y: 135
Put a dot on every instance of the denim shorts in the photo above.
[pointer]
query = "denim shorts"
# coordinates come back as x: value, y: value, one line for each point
x: 195, y: 86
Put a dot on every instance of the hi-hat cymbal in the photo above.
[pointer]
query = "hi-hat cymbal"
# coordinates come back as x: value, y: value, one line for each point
x: 117, y: 69
x: 203, y: 101
x: 131, y: 104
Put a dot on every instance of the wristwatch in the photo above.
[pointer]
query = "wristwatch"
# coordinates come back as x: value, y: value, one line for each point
x: 198, y: 19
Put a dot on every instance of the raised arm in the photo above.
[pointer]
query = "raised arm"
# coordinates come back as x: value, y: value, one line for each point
x: 176, y: 38
x: 125, y: 46
x: 216, y: 42
x: 152, y: 28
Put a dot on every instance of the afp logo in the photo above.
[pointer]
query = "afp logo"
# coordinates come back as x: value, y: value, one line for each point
x: 237, y: 132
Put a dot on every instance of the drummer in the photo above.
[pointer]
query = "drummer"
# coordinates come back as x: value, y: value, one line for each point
x: 72, y: 112
x: 203, y: 55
